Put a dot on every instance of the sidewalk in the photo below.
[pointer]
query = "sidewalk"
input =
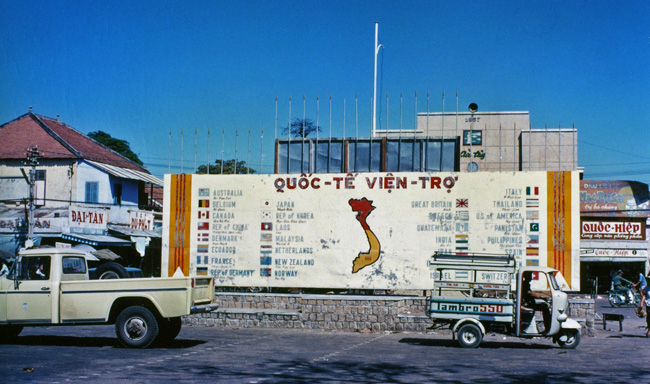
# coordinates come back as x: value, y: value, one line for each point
x: 633, y: 326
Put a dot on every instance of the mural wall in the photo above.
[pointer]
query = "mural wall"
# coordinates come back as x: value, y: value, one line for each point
x: 364, y: 231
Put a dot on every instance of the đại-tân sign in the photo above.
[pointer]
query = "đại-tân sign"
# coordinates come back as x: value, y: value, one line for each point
x: 365, y: 230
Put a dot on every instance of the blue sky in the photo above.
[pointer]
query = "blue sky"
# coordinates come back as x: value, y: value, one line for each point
x: 140, y: 69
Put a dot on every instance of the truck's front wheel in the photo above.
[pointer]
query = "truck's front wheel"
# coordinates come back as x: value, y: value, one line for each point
x: 136, y: 327
x: 469, y: 336
x: 569, y: 338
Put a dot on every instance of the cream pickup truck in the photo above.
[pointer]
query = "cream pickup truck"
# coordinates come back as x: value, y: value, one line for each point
x: 51, y: 287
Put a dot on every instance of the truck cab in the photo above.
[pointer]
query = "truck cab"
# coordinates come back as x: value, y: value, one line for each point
x: 31, y: 282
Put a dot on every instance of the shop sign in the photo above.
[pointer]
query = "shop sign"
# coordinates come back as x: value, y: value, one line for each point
x: 614, y: 252
x: 612, y: 230
x: 141, y: 220
x: 88, y: 220
x: 613, y: 198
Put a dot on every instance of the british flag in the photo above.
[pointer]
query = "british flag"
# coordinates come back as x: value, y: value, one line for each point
x: 462, y: 203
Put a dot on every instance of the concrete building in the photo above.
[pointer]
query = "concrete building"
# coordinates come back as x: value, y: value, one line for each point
x: 498, y: 141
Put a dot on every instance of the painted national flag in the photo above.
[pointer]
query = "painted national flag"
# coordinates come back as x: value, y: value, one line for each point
x: 463, y: 215
x: 532, y: 215
x: 266, y: 214
x: 265, y: 272
x: 462, y: 275
x: 203, y: 237
x: 462, y: 203
x: 532, y: 203
x: 532, y: 251
x: 533, y: 239
x: 204, y: 226
x: 202, y: 271
x: 265, y: 260
x: 461, y: 248
x: 532, y: 191
x: 532, y: 263
x: 265, y: 246
x: 462, y: 240
x: 198, y: 259
x: 266, y: 251
x: 201, y: 248
x: 267, y: 226
x: 204, y: 192
x: 534, y: 227
x: 204, y: 214
x: 267, y: 237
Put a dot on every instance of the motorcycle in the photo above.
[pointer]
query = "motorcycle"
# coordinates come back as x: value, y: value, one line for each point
x: 628, y: 298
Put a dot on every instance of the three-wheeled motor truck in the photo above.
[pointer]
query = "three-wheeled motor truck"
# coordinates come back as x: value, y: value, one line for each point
x: 479, y: 293
x: 50, y: 286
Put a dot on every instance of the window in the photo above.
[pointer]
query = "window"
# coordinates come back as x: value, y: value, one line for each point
x: 92, y: 192
x: 476, y: 137
x: 365, y: 155
x: 117, y: 193
x: 74, y: 265
x: 34, y: 268
x: 39, y: 186
x: 329, y: 156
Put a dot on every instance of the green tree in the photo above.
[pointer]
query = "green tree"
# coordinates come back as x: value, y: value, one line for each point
x: 120, y: 146
x: 228, y: 168
x: 301, y: 128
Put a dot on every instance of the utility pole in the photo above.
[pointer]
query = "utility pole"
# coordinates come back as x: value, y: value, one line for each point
x: 32, y: 161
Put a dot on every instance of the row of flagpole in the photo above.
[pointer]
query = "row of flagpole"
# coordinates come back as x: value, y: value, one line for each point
x: 402, y: 132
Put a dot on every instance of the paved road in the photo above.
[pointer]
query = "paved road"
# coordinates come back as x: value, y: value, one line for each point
x: 91, y: 354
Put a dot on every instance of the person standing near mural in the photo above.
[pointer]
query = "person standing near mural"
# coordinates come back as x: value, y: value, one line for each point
x: 641, y: 283
x: 645, y: 300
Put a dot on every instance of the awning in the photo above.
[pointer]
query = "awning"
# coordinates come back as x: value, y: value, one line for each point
x: 96, y: 240
x: 126, y: 231
x: 128, y: 173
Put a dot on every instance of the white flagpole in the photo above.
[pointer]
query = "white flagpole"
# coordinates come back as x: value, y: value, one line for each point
x: 374, y: 94
x: 223, y: 137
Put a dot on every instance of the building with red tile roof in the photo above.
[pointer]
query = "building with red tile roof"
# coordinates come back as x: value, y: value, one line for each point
x: 73, y: 175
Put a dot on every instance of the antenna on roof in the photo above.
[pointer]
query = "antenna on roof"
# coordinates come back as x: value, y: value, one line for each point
x: 58, y: 120
x: 30, y: 109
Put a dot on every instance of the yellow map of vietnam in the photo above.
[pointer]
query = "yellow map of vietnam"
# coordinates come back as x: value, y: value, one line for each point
x: 363, y: 207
